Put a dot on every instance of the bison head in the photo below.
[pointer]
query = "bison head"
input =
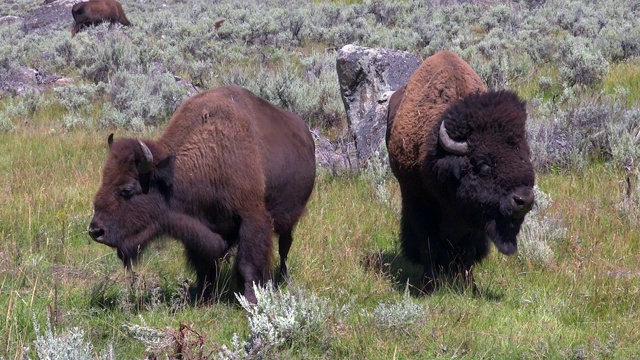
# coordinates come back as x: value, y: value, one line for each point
x: 133, y: 198
x: 483, y: 162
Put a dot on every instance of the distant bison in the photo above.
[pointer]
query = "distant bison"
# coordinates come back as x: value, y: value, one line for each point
x: 460, y: 155
x: 94, y: 12
x: 229, y: 169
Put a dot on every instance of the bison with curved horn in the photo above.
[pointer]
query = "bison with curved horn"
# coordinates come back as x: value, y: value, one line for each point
x: 460, y: 155
x: 229, y: 170
x: 94, y: 12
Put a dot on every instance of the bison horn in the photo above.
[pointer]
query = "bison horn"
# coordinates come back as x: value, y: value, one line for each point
x: 452, y: 146
x: 144, y: 166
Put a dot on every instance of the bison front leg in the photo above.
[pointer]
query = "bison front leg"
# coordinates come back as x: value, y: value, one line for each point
x: 204, y: 248
x: 207, y: 271
x: 253, y: 259
x: 471, y: 254
x: 75, y: 29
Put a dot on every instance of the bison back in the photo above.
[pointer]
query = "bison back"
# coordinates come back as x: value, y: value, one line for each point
x: 230, y: 136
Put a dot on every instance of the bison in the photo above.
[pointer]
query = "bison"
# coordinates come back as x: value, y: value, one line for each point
x: 94, y: 12
x: 460, y: 155
x: 229, y: 170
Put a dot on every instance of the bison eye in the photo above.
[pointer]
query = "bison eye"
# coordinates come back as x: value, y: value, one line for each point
x: 126, y: 193
x: 483, y: 168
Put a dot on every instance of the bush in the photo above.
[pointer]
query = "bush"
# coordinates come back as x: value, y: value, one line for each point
x: 581, y: 62
x: 588, y: 129
x: 5, y: 123
x: 70, y: 345
x: 398, y: 315
x: 143, y: 99
x: 309, y: 90
x: 284, y: 318
x: 539, y: 231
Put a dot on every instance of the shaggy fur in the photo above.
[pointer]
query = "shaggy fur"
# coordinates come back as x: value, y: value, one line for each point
x: 454, y: 204
x: 440, y: 80
x: 94, y: 12
x: 229, y: 169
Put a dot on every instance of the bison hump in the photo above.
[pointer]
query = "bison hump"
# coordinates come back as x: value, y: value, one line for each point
x: 441, y: 80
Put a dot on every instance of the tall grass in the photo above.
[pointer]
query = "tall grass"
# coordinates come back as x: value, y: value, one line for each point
x: 580, y: 304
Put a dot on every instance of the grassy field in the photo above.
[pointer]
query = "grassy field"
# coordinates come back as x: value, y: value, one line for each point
x: 583, y: 304
x: 352, y: 295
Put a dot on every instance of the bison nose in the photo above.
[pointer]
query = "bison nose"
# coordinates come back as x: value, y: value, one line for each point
x: 95, y: 232
x: 522, y: 201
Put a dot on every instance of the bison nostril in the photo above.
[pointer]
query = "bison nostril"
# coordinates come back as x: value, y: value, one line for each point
x: 519, y: 200
x: 95, y: 233
x: 522, y: 203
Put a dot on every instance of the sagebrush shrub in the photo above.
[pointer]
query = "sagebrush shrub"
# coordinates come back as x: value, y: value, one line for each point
x: 539, y: 231
x: 398, y: 314
x: 153, y: 339
x: 70, y: 345
x: 376, y: 172
x: 581, y: 62
x: 5, y: 123
x: 283, y: 317
x: 308, y: 89
x: 76, y: 97
x: 584, y: 129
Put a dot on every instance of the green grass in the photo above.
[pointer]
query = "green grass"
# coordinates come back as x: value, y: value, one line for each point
x: 582, y: 305
x: 623, y: 81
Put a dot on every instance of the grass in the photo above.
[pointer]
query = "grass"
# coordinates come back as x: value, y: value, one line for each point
x: 623, y: 81
x: 582, y: 305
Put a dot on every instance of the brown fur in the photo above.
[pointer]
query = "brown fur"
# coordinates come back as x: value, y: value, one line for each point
x: 229, y: 169
x: 458, y: 199
x: 439, y: 81
x: 94, y: 12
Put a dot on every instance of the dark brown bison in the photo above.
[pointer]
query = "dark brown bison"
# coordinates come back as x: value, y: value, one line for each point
x: 460, y: 155
x: 229, y: 169
x: 94, y: 12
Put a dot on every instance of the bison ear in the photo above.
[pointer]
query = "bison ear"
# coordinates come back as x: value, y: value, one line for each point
x: 164, y: 173
x: 450, y: 168
x: 110, y: 140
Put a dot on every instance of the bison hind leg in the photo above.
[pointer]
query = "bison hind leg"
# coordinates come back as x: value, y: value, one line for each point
x: 284, y: 244
x: 253, y: 259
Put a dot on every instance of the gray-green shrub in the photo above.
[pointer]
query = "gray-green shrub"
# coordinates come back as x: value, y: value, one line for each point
x: 539, y: 232
x: 284, y: 317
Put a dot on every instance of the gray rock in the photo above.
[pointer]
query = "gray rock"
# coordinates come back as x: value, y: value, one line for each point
x: 9, y: 19
x: 371, y: 130
x: 56, y: 14
x: 334, y: 157
x: 367, y: 77
x: 23, y: 79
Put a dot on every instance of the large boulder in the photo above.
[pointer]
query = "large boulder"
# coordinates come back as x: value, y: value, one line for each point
x: 335, y: 158
x: 21, y: 80
x: 367, y: 79
x: 9, y: 19
x: 50, y: 15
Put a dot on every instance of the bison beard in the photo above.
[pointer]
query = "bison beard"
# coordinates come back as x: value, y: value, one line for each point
x: 229, y: 170
x: 503, y: 234
x: 460, y: 155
